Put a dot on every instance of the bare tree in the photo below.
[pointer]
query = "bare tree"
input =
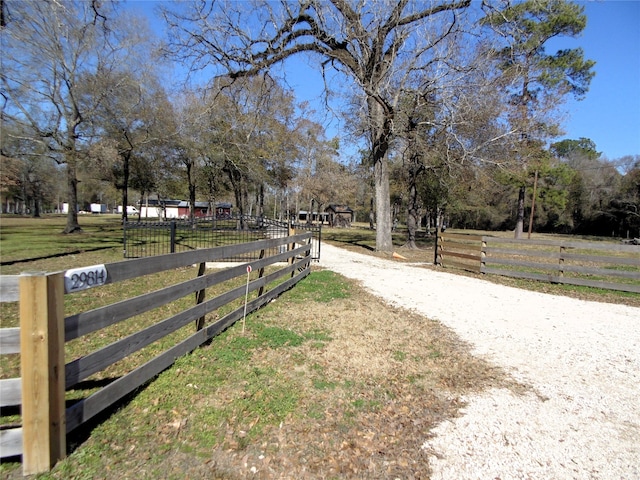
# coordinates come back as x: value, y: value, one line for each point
x: 27, y: 175
x: 131, y: 120
x: 377, y: 45
x: 311, y: 175
x: 447, y: 125
x: 50, y: 50
x: 323, y: 179
x: 246, y: 129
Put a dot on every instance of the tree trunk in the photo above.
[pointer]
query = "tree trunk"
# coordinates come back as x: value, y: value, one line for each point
x: 25, y: 197
x: 381, y: 131
x: 412, y: 213
x: 520, y: 213
x: 192, y: 191
x: 211, y: 197
x: 36, y: 205
x: 235, y: 177
x: 72, y: 195
x: 125, y: 185
x: 237, y: 191
x: 372, y: 215
x: 261, y: 201
x: 383, y: 206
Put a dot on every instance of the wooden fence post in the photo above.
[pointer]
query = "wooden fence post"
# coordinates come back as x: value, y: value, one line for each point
x: 200, y: 296
x: 291, y: 231
x: 261, y: 273
x: 42, y: 370
x: 483, y: 254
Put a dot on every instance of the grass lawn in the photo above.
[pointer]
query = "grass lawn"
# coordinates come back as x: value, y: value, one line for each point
x: 24, y: 239
x: 326, y: 382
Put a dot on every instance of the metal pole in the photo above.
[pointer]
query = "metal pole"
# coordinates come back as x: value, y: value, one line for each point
x: 173, y: 236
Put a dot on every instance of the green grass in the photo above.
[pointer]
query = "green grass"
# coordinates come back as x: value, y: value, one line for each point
x: 399, y: 355
x: 262, y: 396
x: 267, y: 395
x: 325, y: 286
x: 360, y: 235
x: 24, y: 238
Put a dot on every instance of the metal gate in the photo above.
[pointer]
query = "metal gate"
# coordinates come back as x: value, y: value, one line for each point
x: 158, y: 237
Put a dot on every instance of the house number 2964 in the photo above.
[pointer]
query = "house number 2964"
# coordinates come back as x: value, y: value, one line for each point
x: 82, y: 278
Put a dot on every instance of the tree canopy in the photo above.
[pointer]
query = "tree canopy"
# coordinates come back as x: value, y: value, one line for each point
x: 377, y: 45
x: 536, y: 82
x: 55, y: 56
x: 452, y: 105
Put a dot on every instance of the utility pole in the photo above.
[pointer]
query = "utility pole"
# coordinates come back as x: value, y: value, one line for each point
x: 533, y: 203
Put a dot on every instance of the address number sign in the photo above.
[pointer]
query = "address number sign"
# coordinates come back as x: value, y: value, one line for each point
x: 78, y: 279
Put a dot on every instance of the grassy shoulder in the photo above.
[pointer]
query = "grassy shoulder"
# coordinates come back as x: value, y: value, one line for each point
x: 327, y: 381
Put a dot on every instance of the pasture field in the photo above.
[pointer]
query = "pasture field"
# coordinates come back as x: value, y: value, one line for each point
x: 26, y: 239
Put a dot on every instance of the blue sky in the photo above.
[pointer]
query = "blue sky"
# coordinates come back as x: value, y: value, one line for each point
x: 610, y: 113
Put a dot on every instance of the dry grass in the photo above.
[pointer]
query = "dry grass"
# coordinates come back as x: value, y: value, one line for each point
x: 367, y: 397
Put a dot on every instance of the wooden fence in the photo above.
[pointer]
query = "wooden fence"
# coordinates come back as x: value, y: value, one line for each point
x: 43, y: 388
x: 592, y: 264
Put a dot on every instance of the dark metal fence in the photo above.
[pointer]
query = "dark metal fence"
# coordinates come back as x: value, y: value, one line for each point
x: 150, y: 238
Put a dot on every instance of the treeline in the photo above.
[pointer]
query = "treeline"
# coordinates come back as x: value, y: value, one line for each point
x: 246, y: 142
x: 576, y: 191
x: 451, y: 108
x: 88, y: 118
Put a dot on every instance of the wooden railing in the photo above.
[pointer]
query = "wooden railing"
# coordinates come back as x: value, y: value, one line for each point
x: 459, y: 251
x: 592, y: 264
x: 44, y: 330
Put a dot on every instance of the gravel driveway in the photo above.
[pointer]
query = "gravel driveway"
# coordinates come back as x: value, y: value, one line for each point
x: 581, y: 417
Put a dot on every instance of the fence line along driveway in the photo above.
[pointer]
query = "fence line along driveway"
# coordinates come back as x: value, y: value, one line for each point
x: 582, y: 360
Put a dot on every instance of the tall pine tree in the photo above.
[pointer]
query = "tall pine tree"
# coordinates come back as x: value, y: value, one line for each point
x: 535, y: 81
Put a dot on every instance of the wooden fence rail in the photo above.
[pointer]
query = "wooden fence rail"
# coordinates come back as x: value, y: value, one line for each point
x: 592, y: 264
x: 459, y: 251
x: 44, y: 330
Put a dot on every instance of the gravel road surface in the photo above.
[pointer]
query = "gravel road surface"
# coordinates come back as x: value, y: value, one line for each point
x: 581, y: 417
